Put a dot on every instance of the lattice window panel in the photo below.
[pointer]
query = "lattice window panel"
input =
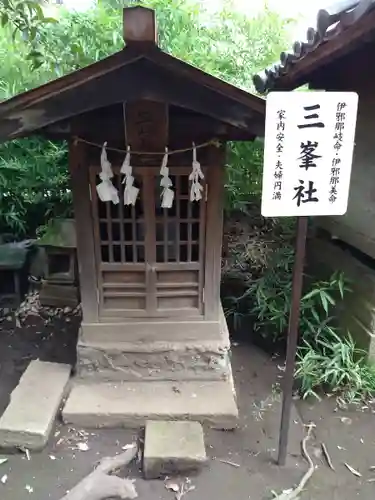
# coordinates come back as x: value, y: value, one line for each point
x: 177, y: 228
x: 122, y: 228
x: 150, y: 259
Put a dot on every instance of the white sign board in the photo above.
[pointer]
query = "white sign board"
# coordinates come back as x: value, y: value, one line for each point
x: 308, y: 153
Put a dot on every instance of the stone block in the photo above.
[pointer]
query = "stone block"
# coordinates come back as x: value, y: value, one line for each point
x: 125, y: 361
x: 131, y: 404
x: 58, y: 295
x: 29, y: 417
x: 173, y: 448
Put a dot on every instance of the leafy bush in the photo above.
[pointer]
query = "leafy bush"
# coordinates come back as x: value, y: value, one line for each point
x: 258, y: 267
x: 25, y: 18
x: 267, y: 298
x: 34, y: 185
x: 327, y: 358
x: 334, y: 363
x: 243, y: 175
x: 272, y: 299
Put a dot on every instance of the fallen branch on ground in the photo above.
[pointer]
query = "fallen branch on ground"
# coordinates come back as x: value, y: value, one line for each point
x: 327, y: 457
x: 100, y: 484
x: 292, y: 494
x: 233, y: 464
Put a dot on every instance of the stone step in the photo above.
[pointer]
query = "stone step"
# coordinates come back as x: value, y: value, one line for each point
x: 151, y: 361
x: 28, y: 420
x: 130, y: 404
x: 173, y: 448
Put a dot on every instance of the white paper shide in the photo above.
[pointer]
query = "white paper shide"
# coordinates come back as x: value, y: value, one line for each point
x: 308, y: 153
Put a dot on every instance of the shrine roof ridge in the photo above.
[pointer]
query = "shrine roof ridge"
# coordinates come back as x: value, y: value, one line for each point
x: 338, y: 29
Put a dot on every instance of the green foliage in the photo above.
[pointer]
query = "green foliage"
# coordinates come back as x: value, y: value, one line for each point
x: 244, y: 172
x: 34, y: 185
x: 80, y: 39
x: 262, y: 269
x: 26, y: 19
x: 272, y: 299
x: 335, y: 364
x: 226, y: 43
x: 267, y: 298
x: 77, y: 40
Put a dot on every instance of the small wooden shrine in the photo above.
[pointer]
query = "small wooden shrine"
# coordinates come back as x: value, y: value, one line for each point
x: 147, y: 135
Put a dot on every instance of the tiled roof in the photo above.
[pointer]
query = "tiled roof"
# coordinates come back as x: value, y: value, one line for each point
x: 330, y: 23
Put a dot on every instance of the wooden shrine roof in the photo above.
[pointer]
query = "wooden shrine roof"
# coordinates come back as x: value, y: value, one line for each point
x: 139, y: 71
x: 339, y: 30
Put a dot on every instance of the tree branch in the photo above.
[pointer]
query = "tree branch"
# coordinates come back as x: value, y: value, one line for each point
x: 101, y: 485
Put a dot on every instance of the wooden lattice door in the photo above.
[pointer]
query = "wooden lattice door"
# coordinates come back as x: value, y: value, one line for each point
x: 150, y: 260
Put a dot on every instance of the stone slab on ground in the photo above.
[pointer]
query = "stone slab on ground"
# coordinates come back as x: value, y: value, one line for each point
x: 131, y: 404
x: 173, y: 448
x: 34, y: 403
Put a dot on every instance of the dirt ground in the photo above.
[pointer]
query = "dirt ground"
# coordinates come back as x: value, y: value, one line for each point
x: 242, y: 462
x: 48, y: 337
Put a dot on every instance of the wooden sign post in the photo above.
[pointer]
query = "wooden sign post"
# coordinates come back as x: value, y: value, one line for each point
x: 309, y: 143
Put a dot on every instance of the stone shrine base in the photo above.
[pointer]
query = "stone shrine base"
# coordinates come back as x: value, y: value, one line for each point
x: 131, y: 404
x: 138, y: 371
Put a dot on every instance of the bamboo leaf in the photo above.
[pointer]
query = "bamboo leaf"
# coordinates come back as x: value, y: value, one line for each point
x: 4, y: 18
x: 324, y: 301
x: 352, y: 470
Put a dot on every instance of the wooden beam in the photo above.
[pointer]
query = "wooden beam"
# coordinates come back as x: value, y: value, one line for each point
x: 352, y: 72
x: 139, y: 25
x: 85, y: 236
x: 214, y: 235
x: 184, y: 128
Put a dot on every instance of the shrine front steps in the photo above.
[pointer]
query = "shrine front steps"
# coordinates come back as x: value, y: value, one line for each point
x: 153, y: 361
x: 131, y: 404
x: 162, y: 373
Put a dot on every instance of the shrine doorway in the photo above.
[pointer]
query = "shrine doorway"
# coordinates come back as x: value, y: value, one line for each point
x: 150, y: 260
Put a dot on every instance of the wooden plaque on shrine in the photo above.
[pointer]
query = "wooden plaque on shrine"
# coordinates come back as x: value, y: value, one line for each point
x: 146, y: 125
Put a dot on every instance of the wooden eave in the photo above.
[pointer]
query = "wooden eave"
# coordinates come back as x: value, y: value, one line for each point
x: 131, y: 74
x: 328, y: 52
